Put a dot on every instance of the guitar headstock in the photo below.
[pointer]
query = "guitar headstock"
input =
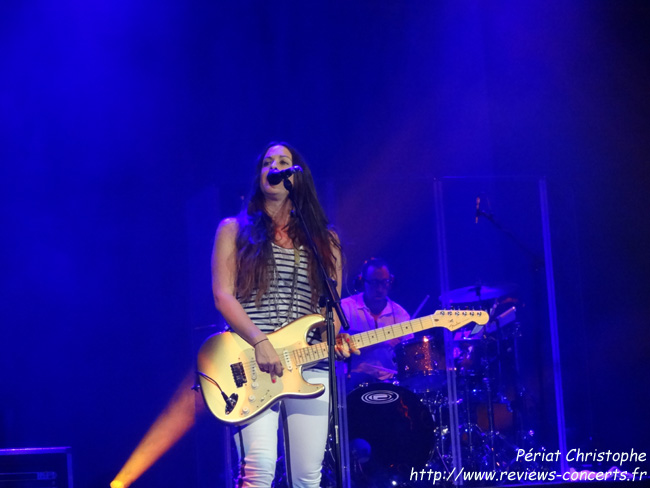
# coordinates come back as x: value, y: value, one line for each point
x: 455, y: 319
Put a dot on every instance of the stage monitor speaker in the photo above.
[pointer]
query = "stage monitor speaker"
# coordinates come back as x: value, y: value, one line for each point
x: 49, y: 467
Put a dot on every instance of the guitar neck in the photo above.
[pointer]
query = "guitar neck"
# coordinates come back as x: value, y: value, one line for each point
x: 383, y: 334
x: 449, y: 319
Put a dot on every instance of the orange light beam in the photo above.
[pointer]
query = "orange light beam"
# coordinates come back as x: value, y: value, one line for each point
x: 174, y: 422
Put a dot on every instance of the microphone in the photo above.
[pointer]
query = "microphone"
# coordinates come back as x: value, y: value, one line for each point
x: 274, y: 177
x: 478, y: 210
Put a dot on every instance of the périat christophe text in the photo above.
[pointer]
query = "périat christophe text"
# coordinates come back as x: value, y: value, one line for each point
x: 538, y: 469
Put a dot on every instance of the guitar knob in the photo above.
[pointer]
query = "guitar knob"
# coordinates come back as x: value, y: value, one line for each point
x: 255, y: 385
x: 245, y: 411
x: 251, y: 398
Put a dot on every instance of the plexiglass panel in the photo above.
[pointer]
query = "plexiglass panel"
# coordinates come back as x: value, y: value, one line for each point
x: 503, y: 391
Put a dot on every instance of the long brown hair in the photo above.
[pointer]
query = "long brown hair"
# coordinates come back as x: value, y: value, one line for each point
x: 256, y: 233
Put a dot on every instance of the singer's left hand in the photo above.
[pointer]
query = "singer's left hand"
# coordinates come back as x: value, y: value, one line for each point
x: 345, y: 346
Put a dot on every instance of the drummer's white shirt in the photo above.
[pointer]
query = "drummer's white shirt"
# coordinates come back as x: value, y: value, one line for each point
x: 361, y: 320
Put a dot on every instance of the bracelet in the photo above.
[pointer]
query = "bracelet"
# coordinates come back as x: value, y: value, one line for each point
x: 260, y: 341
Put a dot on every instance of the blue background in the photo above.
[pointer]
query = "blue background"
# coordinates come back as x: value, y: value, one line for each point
x: 129, y: 129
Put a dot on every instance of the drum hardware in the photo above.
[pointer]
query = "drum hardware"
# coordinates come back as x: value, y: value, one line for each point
x: 483, y: 410
x: 479, y: 450
x: 484, y: 438
x: 417, y: 310
x: 496, y: 324
x: 490, y: 415
x: 476, y: 293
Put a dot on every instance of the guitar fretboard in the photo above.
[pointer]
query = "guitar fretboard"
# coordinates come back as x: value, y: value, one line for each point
x: 449, y: 319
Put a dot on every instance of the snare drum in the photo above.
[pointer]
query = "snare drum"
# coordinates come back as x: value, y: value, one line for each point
x: 390, y: 431
x: 421, y: 364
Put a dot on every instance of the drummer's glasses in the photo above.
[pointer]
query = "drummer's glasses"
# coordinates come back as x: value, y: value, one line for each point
x: 378, y: 283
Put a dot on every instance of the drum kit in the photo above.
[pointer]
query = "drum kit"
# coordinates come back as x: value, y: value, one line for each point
x: 404, y: 424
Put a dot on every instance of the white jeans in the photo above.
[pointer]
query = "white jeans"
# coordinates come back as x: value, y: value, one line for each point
x: 307, y: 427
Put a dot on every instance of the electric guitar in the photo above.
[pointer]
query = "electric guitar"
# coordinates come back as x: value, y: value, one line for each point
x: 235, y: 390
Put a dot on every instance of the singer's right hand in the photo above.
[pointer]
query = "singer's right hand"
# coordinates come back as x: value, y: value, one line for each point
x: 267, y: 359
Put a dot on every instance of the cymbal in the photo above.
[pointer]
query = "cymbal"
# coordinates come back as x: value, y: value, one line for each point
x: 477, y: 293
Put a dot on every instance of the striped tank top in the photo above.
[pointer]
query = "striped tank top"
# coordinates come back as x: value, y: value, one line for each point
x: 279, y: 307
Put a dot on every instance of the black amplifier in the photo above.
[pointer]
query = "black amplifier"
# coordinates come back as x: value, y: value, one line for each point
x: 36, y: 467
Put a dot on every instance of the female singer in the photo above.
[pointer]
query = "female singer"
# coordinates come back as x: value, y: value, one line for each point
x: 264, y: 276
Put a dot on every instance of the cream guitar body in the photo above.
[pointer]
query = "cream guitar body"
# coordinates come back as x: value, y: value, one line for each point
x: 236, y: 391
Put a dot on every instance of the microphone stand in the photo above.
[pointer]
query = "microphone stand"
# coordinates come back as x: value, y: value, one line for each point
x: 332, y: 303
x: 535, y: 259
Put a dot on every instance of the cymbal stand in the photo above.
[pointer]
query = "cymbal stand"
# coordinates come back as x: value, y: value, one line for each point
x: 469, y: 425
x: 521, y: 412
x: 489, y: 384
x: 435, y: 402
x: 490, y: 413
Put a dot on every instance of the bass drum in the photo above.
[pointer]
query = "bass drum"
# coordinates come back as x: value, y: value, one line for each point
x: 390, y: 431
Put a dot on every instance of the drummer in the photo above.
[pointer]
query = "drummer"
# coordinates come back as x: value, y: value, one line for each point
x: 369, y: 310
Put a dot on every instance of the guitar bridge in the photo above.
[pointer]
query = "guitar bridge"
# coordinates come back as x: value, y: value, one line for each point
x: 238, y: 374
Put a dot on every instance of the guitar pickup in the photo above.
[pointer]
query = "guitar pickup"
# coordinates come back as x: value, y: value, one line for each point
x: 238, y: 374
x: 287, y: 360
